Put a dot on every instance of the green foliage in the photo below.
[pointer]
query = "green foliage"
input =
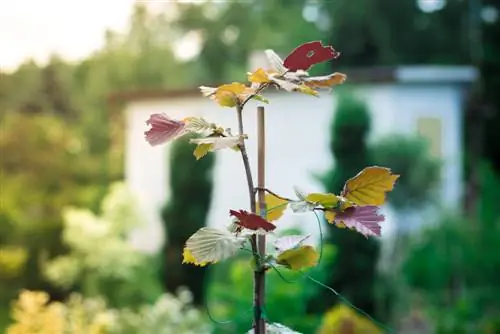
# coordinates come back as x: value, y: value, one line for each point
x: 454, y: 267
x: 370, y: 32
x: 408, y: 156
x: 353, y: 272
x: 115, y: 263
x: 45, y: 166
x: 191, y: 188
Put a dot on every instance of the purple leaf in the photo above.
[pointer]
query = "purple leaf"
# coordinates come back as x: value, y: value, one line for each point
x: 163, y: 129
x: 363, y: 219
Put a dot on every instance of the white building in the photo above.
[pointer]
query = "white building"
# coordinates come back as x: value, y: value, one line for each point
x: 426, y: 99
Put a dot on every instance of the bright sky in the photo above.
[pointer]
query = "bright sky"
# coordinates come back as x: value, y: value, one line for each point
x: 34, y: 28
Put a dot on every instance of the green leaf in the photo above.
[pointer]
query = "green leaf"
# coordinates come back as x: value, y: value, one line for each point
x: 325, y: 200
x: 298, y: 258
x: 261, y: 99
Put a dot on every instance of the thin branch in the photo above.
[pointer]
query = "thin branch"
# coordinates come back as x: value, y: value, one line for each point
x: 248, y: 171
x: 246, y: 162
x: 257, y: 92
x: 274, y: 194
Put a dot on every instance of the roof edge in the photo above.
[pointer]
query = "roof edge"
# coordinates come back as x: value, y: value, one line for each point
x: 409, y: 74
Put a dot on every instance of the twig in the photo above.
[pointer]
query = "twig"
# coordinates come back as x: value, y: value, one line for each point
x: 274, y: 194
x: 246, y: 162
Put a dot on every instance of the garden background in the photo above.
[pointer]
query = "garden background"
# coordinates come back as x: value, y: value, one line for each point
x: 65, y: 212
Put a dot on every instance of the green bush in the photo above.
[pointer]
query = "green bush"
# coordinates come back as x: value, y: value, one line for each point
x: 191, y: 193
x: 115, y: 270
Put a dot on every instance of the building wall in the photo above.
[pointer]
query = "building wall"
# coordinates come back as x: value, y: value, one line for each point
x: 297, y: 146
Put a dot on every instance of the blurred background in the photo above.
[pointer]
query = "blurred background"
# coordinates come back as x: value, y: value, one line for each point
x: 69, y: 69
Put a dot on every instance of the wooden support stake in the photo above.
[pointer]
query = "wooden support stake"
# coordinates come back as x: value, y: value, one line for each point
x: 260, y: 325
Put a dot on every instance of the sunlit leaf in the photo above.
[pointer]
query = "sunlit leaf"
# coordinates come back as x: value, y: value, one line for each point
x: 259, y: 76
x: 275, y: 61
x: 207, y: 91
x: 325, y: 81
x: 326, y: 200
x: 286, y: 85
x: 330, y: 216
x: 163, y: 129
x: 261, y: 99
x: 228, y: 95
x: 209, y: 245
x: 309, y: 54
x: 363, y: 219
x: 188, y: 258
x: 201, y: 150
x: 289, y: 242
x: 218, y: 143
x: 198, y: 124
x: 298, y: 258
x: 306, y: 90
x: 251, y: 221
x: 275, y: 207
x: 369, y: 186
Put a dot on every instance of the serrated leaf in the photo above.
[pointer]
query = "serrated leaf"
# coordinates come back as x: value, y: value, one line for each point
x: 306, y: 90
x: 369, y: 186
x: 212, y: 245
x: 309, y: 54
x: 275, y: 207
x: 198, y: 124
x: 230, y: 94
x: 330, y: 218
x: 289, y: 242
x: 207, y: 91
x: 327, y: 200
x: 163, y: 129
x: 251, y: 221
x: 286, y: 85
x: 298, y: 258
x: 215, y: 144
x: 188, y: 258
x: 201, y: 150
x: 325, y: 81
x: 363, y: 219
x: 259, y: 76
x: 275, y: 61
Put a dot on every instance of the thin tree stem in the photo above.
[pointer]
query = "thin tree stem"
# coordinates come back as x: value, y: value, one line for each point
x: 259, y: 324
x: 246, y: 162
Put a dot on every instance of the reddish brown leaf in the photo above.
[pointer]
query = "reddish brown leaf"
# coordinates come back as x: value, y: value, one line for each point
x: 309, y: 54
x: 251, y: 221
x: 163, y: 129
